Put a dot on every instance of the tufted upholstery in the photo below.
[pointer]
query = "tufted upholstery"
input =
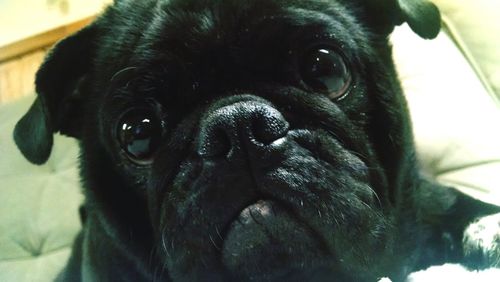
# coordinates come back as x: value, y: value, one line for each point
x: 452, y: 94
x: 38, y: 205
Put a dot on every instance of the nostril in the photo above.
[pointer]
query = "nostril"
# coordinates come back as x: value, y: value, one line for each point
x: 268, y: 126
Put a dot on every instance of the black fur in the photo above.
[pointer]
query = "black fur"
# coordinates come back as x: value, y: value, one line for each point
x: 339, y: 177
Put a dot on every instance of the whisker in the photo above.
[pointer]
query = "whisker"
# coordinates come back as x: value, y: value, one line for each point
x: 120, y: 72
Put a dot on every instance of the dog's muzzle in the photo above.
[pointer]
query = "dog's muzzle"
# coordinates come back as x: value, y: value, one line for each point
x: 252, y: 130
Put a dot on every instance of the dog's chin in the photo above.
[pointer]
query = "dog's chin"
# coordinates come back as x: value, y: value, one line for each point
x: 267, y: 239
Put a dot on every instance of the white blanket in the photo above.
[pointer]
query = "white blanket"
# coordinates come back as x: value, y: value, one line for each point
x: 453, y: 272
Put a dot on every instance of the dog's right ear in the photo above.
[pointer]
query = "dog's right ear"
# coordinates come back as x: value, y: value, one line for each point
x: 422, y: 16
x: 57, y: 107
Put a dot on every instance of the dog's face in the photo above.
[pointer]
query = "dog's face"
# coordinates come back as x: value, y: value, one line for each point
x: 239, y: 139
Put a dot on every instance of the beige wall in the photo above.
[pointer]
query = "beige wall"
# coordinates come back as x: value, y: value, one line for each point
x: 22, y: 18
x: 47, y: 21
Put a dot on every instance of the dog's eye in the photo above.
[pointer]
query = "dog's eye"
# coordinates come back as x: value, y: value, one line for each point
x: 324, y: 70
x: 139, y: 134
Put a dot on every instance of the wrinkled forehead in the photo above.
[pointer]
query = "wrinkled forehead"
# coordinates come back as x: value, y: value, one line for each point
x: 183, y: 28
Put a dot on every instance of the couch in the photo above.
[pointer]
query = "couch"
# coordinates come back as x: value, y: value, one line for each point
x: 452, y: 85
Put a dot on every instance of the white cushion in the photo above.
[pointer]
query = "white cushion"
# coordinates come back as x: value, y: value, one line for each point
x: 456, y: 121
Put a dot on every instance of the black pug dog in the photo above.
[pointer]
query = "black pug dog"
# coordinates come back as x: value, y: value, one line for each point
x: 245, y: 140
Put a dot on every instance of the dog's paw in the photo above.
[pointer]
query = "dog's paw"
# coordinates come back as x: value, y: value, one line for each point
x: 481, y: 243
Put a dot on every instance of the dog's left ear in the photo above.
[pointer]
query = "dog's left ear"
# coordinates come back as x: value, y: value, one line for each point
x: 58, y: 105
x: 422, y: 16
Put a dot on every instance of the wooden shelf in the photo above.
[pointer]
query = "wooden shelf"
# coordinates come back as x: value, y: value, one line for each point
x: 42, y: 40
x: 20, y: 60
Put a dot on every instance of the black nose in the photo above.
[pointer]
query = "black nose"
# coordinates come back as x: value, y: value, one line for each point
x: 241, y: 126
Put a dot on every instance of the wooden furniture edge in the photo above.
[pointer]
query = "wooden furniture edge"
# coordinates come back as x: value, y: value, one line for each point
x: 41, y: 40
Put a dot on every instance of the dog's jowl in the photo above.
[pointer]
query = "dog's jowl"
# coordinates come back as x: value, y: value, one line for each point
x: 245, y: 140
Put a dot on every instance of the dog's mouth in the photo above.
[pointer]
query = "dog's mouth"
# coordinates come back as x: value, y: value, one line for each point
x: 267, y: 234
